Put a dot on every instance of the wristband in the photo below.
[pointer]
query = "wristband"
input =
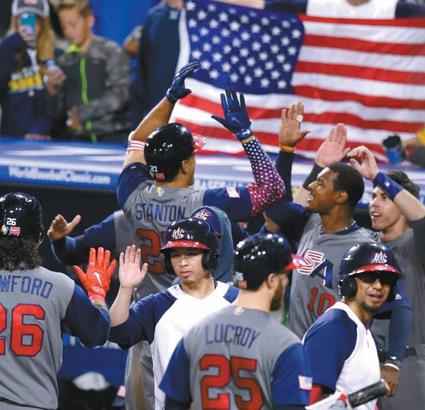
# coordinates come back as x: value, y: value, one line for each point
x: 316, y: 170
x: 390, y: 187
x: 393, y: 365
x: 286, y: 148
x: 136, y: 146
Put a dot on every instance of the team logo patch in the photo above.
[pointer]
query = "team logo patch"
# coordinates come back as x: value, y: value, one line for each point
x: 203, y: 214
x: 159, y: 191
x: 4, y: 230
x: 313, y: 260
x: 240, y: 280
x: 177, y: 233
x: 15, y: 230
x: 380, y: 258
x: 305, y: 382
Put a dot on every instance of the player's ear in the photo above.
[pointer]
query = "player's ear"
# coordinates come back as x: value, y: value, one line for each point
x: 271, y: 280
x: 341, y: 197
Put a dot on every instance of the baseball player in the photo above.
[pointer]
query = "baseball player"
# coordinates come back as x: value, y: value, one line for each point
x: 318, y: 225
x: 114, y: 233
x: 399, y: 217
x: 36, y: 305
x: 190, y: 253
x: 155, y: 186
x: 339, y: 345
x: 240, y: 357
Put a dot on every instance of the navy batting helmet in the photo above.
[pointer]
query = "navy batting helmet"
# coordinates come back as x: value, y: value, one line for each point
x: 257, y: 256
x: 20, y: 216
x: 167, y: 147
x: 191, y: 233
x: 367, y: 257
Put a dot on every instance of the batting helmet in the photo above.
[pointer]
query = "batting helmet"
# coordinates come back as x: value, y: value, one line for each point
x: 257, y: 256
x: 21, y: 216
x: 191, y: 233
x: 367, y: 257
x: 167, y: 147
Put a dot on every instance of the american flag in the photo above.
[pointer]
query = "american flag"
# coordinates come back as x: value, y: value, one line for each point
x: 367, y: 74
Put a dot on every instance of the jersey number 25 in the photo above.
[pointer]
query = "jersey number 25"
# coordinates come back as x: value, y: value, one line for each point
x: 229, y: 370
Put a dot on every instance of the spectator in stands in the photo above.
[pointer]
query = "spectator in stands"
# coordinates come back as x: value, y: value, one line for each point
x: 158, y: 52
x: 414, y: 148
x: 24, y: 55
x: 90, y: 92
x: 5, y: 6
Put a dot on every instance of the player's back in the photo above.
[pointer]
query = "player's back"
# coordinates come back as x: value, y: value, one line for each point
x: 33, y: 304
x: 234, y: 357
x: 151, y: 209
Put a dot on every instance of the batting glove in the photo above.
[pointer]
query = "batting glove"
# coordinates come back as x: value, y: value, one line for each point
x: 236, y: 117
x: 177, y: 89
x: 97, y: 279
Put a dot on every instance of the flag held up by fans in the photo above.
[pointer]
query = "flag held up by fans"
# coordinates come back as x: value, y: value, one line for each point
x: 367, y: 74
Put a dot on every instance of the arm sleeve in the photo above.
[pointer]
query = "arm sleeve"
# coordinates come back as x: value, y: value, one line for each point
x: 419, y: 238
x: 291, y: 379
x: 171, y: 404
x: 70, y: 251
x: 242, y: 203
x: 86, y: 321
x: 284, y: 168
x: 9, y: 47
x: 116, y: 92
x: 176, y: 381
x: 399, y: 332
x: 129, y: 179
x: 327, y: 345
x: 140, y: 324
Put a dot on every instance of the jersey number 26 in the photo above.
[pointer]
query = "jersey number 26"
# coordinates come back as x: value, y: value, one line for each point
x: 25, y: 339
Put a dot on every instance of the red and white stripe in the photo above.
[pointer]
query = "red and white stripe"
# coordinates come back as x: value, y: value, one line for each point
x: 369, y: 75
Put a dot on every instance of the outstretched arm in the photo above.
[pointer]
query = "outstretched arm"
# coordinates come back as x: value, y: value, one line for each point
x: 130, y: 276
x: 330, y: 151
x: 268, y: 186
x: 159, y: 115
x: 364, y: 161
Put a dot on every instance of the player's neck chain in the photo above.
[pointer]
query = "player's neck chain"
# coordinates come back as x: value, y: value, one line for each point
x: 322, y: 231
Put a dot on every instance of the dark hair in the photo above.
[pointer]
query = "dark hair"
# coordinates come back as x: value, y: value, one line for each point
x: 349, y: 180
x: 18, y: 254
x: 402, y: 179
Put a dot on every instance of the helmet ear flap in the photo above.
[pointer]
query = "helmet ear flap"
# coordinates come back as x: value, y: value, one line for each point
x: 347, y: 287
x: 210, y: 261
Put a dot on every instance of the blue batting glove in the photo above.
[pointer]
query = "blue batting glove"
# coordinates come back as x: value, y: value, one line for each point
x: 177, y: 89
x: 236, y: 117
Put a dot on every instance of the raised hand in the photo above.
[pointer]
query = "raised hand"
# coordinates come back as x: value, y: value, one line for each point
x: 130, y: 273
x: 60, y: 227
x: 333, y: 148
x: 97, y: 279
x: 289, y: 133
x: 178, y: 89
x: 363, y: 161
x: 236, y: 117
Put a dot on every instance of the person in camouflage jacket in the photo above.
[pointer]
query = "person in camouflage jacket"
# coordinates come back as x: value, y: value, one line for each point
x: 89, y: 89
